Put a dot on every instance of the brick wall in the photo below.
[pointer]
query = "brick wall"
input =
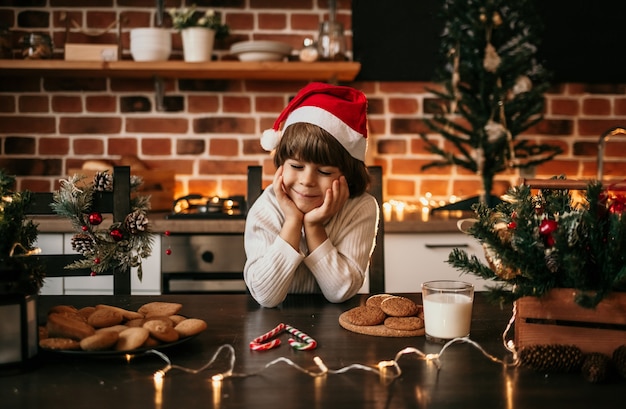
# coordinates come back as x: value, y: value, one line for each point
x: 209, y: 130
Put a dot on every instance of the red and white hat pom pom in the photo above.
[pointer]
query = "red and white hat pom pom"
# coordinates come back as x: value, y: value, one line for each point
x: 270, y: 139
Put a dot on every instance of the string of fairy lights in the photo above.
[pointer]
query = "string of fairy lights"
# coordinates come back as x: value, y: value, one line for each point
x: 387, y: 370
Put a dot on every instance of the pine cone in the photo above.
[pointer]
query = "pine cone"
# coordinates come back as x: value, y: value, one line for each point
x: 552, y: 261
x: 619, y: 360
x: 102, y: 181
x: 82, y: 243
x: 595, y: 367
x: 551, y: 358
x: 136, y: 222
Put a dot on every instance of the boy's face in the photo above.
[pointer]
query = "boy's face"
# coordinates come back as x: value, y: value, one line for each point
x: 306, y: 183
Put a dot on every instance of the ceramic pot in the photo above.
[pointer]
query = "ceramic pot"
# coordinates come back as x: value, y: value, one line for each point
x: 198, y: 43
x: 150, y: 44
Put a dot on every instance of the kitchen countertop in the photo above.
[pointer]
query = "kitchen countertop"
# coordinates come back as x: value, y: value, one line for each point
x: 159, y: 224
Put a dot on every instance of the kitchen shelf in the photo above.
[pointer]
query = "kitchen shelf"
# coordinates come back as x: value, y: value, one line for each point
x: 266, y: 70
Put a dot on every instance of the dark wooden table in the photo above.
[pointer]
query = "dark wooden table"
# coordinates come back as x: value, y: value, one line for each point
x: 466, y: 379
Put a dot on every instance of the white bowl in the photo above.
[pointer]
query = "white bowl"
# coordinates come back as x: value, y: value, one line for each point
x: 260, y: 50
x: 150, y: 44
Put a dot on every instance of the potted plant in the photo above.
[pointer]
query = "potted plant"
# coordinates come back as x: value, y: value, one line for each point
x: 21, y: 276
x: 198, y: 30
x: 561, y: 258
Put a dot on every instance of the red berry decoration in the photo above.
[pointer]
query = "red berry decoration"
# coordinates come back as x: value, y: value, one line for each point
x: 116, y: 234
x: 95, y: 218
x: 84, y: 228
x: 616, y: 207
x: 166, y: 232
x: 547, y: 226
x: 96, y: 260
x: 93, y: 274
x: 168, y: 251
x: 512, y: 225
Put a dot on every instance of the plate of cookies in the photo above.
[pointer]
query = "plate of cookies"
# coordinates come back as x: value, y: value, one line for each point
x: 107, y: 330
x: 385, y: 315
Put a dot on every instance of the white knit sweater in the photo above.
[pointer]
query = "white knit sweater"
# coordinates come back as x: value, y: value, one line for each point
x: 337, y: 268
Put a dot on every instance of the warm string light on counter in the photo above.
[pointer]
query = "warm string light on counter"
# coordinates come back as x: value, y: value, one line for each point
x: 158, y: 389
x: 398, y: 210
x: 387, y: 370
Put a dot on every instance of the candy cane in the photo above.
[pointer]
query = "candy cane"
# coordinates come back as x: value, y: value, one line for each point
x: 259, y: 344
x: 308, y: 344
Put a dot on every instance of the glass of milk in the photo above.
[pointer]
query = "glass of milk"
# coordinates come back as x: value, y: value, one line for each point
x: 447, y: 309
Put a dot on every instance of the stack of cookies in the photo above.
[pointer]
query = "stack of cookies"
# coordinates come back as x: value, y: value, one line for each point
x: 385, y: 315
x: 109, y: 328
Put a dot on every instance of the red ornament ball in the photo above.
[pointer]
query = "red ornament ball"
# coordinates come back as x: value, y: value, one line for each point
x: 547, y: 226
x: 512, y: 225
x: 166, y: 232
x: 95, y: 218
x: 116, y: 234
x: 96, y: 260
x: 84, y: 228
x: 93, y: 274
x: 168, y: 251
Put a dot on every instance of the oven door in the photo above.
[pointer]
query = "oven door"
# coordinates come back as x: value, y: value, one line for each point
x: 203, y: 263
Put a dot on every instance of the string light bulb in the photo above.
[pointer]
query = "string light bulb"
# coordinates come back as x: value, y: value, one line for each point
x: 320, y: 364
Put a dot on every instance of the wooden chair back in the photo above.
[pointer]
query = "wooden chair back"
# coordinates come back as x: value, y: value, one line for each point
x: 115, y: 202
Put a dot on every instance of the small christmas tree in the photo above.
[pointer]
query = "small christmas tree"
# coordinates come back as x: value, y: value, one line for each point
x: 492, y: 88
x: 536, y: 242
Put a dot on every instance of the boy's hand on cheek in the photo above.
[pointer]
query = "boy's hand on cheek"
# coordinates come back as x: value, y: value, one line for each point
x: 284, y: 201
x: 334, y: 200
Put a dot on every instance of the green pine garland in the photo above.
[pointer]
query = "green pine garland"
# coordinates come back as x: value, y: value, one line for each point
x: 585, y: 248
x: 19, y: 273
x: 119, y: 245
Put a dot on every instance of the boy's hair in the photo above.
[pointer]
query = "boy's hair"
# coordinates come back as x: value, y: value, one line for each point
x: 310, y: 143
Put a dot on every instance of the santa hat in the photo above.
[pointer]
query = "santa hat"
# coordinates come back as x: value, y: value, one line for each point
x: 341, y: 111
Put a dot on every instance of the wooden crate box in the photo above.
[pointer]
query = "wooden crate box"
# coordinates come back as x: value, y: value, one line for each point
x: 557, y: 319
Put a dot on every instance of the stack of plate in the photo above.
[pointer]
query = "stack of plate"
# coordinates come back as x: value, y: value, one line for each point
x: 260, y: 50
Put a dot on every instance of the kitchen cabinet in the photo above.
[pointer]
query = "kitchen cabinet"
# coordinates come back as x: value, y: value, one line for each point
x: 60, y: 243
x: 411, y: 259
x: 51, y: 244
x: 265, y: 70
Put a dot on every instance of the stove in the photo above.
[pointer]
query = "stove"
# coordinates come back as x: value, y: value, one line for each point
x: 197, y: 206
x: 205, y: 262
